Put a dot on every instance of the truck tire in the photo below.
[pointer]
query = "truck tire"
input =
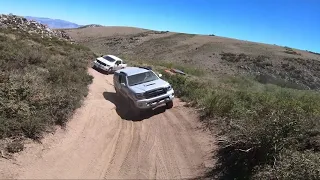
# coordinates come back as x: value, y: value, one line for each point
x: 117, y: 93
x: 169, y: 104
x: 133, y: 109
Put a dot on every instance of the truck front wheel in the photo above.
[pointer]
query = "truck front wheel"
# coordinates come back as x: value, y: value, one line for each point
x: 169, y: 104
x: 133, y: 109
x: 109, y: 70
x: 117, y: 92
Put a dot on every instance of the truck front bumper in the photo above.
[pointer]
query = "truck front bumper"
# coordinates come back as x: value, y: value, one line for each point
x: 100, y: 66
x: 156, y: 101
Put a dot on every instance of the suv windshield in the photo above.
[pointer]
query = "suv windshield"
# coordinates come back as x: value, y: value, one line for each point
x: 109, y: 58
x: 141, y: 78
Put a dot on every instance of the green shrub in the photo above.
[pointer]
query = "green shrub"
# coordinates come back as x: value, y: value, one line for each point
x: 41, y: 83
x: 15, y: 147
x: 292, y: 165
x: 260, y: 123
x: 289, y: 50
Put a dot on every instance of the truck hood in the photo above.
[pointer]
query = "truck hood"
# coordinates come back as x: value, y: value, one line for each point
x: 105, y: 61
x: 141, y: 88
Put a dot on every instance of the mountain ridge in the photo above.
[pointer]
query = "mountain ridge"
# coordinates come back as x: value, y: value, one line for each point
x: 54, y: 23
x: 15, y: 22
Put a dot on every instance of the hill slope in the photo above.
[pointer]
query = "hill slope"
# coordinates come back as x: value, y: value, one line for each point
x: 44, y: 79
x: 246, y: 92
x: 215, y: 55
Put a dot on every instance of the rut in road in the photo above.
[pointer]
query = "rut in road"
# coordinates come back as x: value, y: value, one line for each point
x: 101, y: 141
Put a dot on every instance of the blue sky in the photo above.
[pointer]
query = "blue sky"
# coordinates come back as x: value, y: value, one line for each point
x: 294, y: 23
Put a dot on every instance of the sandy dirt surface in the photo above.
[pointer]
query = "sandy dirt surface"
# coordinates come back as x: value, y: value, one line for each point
x: 101, y: 141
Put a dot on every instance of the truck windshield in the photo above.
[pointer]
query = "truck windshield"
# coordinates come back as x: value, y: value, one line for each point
x: 109, y: 58
x: 141, y: 78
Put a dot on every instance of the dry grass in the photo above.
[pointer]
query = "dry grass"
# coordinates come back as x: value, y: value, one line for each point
x: 178, y: 48
x: 100, y: 32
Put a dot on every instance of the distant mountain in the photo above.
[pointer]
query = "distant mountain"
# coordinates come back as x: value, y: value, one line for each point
x: 54, y: 23
x: 11, y: 21
x: 91, y: 25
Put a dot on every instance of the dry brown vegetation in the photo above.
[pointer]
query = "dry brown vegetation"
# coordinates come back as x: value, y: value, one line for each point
x: 178, y: 48
x: 268, y: 115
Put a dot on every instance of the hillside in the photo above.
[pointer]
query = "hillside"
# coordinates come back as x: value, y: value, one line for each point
x: 48, y: 130
x: 90, y: 26
x: 260, y: 101
x: 216, y: 55
x: 245, y: 110
x: 37, y: 88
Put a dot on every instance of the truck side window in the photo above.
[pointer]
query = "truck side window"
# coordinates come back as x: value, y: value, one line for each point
x: 120, y: 78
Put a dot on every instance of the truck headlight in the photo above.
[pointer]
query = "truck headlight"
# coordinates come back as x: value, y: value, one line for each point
x: 139, y: 95
x: 169, y: 88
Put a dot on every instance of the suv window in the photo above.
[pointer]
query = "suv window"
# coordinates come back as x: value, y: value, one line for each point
x: 118, y: 62
x: 109, y: 58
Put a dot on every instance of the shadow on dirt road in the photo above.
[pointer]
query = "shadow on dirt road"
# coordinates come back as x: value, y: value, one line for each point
x: 123, y: 109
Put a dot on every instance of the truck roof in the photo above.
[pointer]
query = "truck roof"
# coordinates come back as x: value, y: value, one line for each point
x: 132, y: 70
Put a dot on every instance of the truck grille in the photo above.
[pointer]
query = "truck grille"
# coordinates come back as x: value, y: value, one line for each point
x: 155, y: 93
x: 101, y: 63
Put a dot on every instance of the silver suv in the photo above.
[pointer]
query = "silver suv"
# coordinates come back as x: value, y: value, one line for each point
x: 142, y: 88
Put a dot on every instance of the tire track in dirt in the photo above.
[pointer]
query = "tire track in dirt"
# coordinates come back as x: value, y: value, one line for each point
x: 185, y: 142
x: 99, y: 144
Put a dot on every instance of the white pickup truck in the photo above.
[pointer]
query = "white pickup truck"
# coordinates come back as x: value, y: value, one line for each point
x: 109, y: 63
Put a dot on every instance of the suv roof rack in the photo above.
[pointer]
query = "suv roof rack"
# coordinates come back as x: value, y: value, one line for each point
x: 146, y: 67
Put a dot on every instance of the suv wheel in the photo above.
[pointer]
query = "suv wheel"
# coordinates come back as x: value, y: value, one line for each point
x: 169, y: 104
x: 109, y: 70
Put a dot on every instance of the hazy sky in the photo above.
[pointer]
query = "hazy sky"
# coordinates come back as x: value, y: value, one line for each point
x: 294, y: 23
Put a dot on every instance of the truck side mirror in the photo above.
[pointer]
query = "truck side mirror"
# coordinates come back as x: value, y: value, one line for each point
x: 160, y: 75
x: 123, y: 84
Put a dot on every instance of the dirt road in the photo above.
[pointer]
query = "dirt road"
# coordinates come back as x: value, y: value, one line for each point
x: 101, y: 141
